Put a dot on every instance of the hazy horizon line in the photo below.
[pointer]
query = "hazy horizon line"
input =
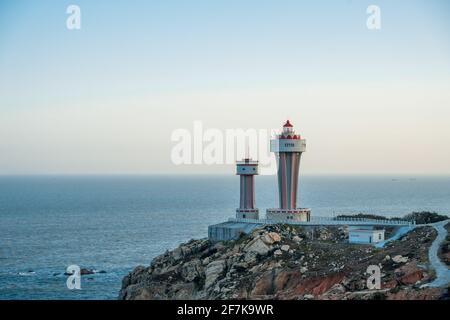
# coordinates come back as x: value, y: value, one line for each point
x: 386, y: 174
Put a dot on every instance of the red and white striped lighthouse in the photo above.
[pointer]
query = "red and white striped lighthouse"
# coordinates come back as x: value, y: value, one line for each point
x: 288, y: 148
x: 247, y: 169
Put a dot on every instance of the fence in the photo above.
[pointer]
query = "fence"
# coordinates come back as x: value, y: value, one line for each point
x: 331, y: 221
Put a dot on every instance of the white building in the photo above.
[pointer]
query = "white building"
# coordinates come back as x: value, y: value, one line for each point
x: 364, y: 234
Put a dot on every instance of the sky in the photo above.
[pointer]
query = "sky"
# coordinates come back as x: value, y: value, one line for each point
x: 106, y: 99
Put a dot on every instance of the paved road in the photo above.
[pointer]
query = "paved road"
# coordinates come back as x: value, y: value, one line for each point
x: 400, y: 231
x: 442, y: 271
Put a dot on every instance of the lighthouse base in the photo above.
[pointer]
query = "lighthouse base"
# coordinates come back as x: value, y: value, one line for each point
x: 229, y: 230
x: 288, y: 215
x: 247, y: 213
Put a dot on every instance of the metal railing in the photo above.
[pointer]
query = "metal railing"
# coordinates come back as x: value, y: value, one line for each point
x: 330, y: 221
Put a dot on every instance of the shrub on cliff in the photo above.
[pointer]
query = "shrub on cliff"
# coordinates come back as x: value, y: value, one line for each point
x: 362, y: 215
x: 425, y: 217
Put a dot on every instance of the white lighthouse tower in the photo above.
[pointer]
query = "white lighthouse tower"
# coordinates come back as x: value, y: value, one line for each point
x: 247, y: 169
x: 288, y: 148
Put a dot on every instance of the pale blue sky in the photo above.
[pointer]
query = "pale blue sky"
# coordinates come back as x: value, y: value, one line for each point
x: 91, y: 100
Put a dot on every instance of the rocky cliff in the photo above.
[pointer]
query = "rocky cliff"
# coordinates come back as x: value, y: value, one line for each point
x: 285, y: 262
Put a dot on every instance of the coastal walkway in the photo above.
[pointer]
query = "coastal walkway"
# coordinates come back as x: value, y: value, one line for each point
x: 397, y: 235
x: 442, y: 270
x: 333, y: 221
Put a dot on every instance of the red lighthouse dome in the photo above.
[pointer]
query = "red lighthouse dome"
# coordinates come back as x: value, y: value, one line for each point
x: 288, y: 124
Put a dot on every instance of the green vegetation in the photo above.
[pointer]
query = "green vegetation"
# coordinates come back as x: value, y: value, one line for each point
x: 423, y: 217
x: 444, y: 249
x: 361, y: 215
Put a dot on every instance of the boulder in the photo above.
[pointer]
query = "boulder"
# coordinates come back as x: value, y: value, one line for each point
x: 191, y: 270
x: 250, y: 257
x: 258, y: 246
x: 183, y: 291
x: 285, y: 248
x: 270, y: 238
x: 83, y: 272
x: 411, y: 294
x: 336, y: 292
x: 240, y: 267
x: 324, y: 234
x: 205, y: 261
x: 86, y: 271
x: 275, y: 236
x: 177, y: 254
x: 138, y: 293
x: 297, y: 239
x: 409, y: 274
x: 400, y: 259
x: 214, y: 271
x: 263, y: 286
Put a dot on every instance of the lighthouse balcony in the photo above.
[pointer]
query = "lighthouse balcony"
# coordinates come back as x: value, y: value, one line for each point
x: 247, y: 167
x: 288, y: 145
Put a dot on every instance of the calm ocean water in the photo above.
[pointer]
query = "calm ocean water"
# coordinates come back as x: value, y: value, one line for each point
x: 116, y: 223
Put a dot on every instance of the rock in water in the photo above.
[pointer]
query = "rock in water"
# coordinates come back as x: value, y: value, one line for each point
x: 83, y: 272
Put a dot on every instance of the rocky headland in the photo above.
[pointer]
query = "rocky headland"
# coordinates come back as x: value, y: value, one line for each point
x: 287, y: 262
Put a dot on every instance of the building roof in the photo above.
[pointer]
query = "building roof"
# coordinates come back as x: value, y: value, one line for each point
x: 365, y: 230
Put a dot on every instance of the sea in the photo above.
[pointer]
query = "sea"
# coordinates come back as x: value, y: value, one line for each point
x: 115, y: 223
